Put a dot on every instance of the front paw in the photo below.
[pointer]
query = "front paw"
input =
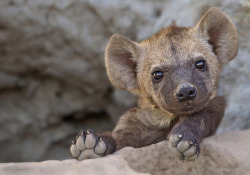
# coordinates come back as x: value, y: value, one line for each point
x: 184, y: 145
x: 87, y: 145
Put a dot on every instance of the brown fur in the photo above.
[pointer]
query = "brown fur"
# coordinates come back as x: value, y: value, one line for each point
x: 173, y: 50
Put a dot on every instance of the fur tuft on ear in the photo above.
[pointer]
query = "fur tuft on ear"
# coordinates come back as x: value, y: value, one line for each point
x: 220, y: 32
x: 121, y: 57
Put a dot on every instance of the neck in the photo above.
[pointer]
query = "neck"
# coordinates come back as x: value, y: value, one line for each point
x: 153, y: 115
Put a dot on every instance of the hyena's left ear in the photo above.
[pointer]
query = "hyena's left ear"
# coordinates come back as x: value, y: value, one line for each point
x: 218, y: 29
x: 121, y: 57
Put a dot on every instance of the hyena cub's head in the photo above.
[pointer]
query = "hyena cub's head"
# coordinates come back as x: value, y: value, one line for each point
x: 177, y: 68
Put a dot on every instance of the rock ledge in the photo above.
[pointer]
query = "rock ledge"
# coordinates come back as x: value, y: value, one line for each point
x: 226, y: 153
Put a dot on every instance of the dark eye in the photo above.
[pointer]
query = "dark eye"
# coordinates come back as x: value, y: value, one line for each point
x: 157, y: 75
x: 200, y: 64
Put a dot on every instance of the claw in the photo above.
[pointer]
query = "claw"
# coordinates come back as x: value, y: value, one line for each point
x: 179, y: 136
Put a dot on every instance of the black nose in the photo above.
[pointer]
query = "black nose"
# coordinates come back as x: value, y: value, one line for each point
x: 185, y: 92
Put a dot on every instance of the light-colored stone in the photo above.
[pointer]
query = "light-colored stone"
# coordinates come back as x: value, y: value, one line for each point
x: 52, y: 72
x: 225, y: 154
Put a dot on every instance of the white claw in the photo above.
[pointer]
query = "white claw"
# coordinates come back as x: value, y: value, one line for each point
x: 179, y: 136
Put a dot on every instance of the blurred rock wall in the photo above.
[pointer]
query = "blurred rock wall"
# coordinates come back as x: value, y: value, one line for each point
x: 53, y: 81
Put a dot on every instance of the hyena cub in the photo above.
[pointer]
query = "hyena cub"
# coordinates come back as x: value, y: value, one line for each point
x: 175, y: 74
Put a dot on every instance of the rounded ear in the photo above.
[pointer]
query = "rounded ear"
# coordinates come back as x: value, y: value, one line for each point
x: 121, y: 58
x: 220, y: 32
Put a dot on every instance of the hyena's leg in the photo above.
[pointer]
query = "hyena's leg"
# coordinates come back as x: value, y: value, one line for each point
x: 130, y: 131
x: 187, y: 134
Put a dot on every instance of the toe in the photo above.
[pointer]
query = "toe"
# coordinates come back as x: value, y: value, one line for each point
x: 190, y: 152
x: 80, y: 143
x: 177, y: 153
x: 90, y: 140
x: 174, y: 139
x: 100, y: 148
x: 74, y: 151
x: 184, y: 145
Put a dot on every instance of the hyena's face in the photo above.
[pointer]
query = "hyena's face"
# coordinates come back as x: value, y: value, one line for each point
x: 179, y: 71
x: 176, y: 69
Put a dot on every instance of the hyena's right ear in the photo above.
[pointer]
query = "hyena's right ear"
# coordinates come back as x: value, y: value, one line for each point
x: 121, y: 57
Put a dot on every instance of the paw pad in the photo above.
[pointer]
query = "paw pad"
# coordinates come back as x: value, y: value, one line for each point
x: 183, y: 148
x: 87, y: 145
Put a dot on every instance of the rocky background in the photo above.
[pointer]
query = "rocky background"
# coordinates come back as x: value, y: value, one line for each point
x: 53, y: 81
